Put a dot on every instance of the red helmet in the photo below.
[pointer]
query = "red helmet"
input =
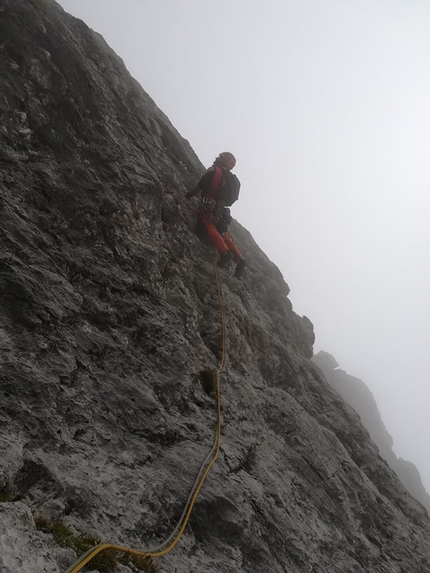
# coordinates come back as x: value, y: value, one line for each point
x: 226, y: 159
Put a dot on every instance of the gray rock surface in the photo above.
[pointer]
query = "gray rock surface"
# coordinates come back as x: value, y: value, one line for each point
x: 20, y: 539
x: 108, y: 312
x: 355, y: 392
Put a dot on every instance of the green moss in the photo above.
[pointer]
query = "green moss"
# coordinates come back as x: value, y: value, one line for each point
x: 207, y: 379
x: 106, y: 561
x: 6, y: 496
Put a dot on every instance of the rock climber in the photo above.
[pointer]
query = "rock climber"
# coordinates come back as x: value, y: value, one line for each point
x: 219, y: 188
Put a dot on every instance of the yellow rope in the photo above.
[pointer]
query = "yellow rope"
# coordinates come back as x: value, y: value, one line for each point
x: 213, y: 454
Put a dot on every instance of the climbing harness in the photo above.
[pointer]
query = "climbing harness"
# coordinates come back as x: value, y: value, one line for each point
x: 169, y: 543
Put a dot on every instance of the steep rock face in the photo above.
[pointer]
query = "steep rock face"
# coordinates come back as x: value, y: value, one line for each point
x: 108, y: 312
x: 355, y: 392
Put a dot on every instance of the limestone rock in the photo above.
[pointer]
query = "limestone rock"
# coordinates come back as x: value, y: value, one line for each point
x: 109, y: 312
x: 355, y: 392
x: 22, y: 547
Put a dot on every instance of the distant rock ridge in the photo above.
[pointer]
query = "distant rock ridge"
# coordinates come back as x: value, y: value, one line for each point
x: 108, y: 317
x: 355, y: 392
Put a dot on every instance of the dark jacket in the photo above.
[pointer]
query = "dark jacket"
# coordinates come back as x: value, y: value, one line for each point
x: 211, y: 186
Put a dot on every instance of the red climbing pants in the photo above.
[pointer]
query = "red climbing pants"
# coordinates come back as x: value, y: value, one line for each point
x: 215, y: 238
x: 228, y: 240
x: 213, y: 235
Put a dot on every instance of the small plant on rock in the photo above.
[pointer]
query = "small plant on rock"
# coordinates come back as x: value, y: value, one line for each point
x: 104, y: 562
x: 139, y: 563
x: 7, y: 496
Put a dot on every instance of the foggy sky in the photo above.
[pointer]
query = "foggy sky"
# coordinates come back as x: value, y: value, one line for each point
x: 325, y: 104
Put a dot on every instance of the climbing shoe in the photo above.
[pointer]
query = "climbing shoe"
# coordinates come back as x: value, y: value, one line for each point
x: 240, y: 267
x: 224, y: 259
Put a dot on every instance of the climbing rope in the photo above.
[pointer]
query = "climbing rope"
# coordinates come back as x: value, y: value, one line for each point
x: 169, y: 543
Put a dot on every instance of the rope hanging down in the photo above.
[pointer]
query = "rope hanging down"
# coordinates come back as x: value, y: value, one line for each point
x: 169, y: 543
